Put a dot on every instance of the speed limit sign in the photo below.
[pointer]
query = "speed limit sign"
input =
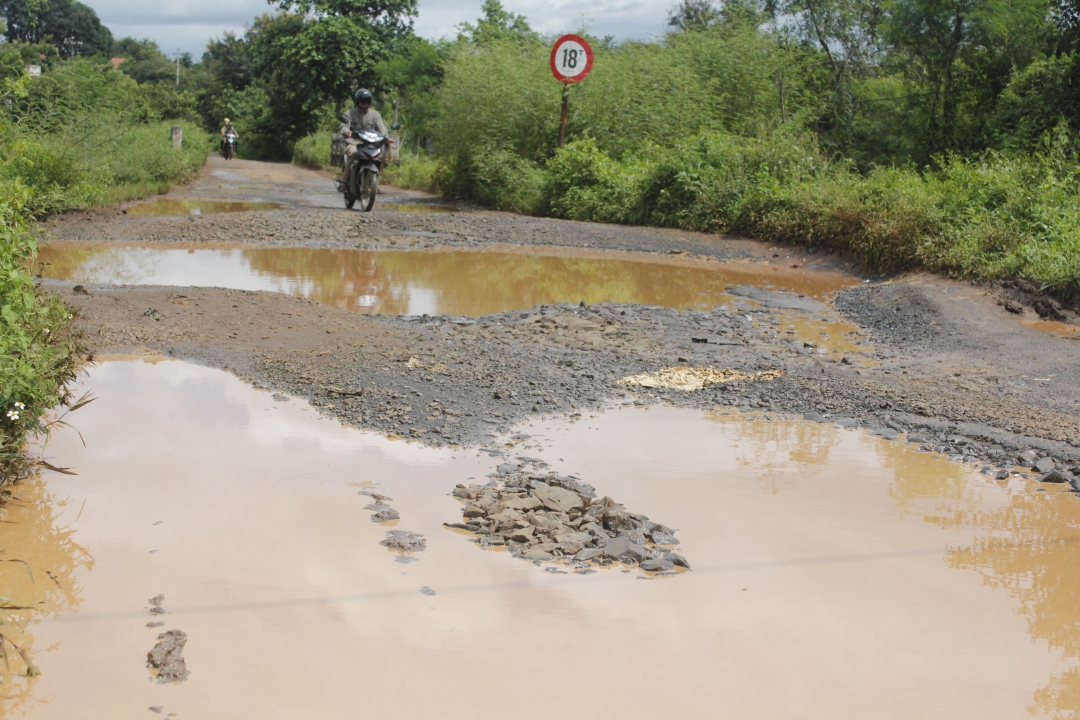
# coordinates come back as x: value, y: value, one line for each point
x: 571, y: 59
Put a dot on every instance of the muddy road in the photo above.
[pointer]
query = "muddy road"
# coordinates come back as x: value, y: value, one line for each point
x: 979, y: 372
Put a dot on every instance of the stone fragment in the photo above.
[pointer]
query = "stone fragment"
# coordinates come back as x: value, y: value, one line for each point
x: 1027, y: 458
x: 474, y: 510
x: 524, y: 502
x: 385, y: 516
x: 557, y: 498
x: 1002, y: 475
x: 404, y: 541
x: 167, y: 656
x: 678, y: 560
x: 662, y: 538
x: 538, y: 554
x: 1054, y: 476
x: 524, y: 534
x: 657, y: 564
x: 588, y: 554
x: 1045, y: 465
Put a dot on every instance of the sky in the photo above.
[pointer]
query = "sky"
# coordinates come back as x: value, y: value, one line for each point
x: 187, y: 25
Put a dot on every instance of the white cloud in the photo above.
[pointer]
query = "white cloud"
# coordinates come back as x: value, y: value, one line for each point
x: 190, y: 24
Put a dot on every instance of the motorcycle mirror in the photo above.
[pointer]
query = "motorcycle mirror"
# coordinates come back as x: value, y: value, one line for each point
x: 395, y: 126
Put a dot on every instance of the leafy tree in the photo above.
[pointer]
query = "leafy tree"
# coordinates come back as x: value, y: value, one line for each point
x: 690, y: 15
x: 69, y: 25
x: 144, y: 61
x: 412, y: 79
x: 497, y: 25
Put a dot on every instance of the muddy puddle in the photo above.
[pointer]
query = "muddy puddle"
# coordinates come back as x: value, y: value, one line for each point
x: 835, y: 574
x: 431, y: 282
x: 1054, y: 327
x: 198, y: 207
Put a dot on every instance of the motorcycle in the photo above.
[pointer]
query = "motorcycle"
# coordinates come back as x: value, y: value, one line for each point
x: 361, y: 178
x: 228, y: 145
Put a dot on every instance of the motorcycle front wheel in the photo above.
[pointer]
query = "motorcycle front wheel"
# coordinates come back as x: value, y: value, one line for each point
x: 369, y: 186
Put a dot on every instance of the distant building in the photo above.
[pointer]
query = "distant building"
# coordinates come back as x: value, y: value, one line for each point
x: 33, y: 70
x: 116, y: 62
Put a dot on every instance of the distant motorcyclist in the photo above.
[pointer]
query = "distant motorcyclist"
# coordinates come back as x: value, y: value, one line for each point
x: 226, y: 129
x: 362, y: 117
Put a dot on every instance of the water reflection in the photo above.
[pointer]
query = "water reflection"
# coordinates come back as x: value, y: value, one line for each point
x: 415, y: 283
x: 39, y: 558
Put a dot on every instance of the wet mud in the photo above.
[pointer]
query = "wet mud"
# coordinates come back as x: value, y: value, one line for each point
x: 880, y: 581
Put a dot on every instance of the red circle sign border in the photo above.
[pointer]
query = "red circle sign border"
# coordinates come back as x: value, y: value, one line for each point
x: 588, y: 60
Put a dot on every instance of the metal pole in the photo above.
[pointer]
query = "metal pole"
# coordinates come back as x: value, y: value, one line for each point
x: 177, y: 66
x: 565, y: 112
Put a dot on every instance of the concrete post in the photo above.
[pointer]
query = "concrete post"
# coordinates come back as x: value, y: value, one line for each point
x: 177, y: 136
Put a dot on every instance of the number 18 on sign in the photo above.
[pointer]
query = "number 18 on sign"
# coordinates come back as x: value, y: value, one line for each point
x: 571, y: 61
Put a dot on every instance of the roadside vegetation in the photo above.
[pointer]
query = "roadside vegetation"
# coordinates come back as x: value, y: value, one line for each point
x: 81, y: 134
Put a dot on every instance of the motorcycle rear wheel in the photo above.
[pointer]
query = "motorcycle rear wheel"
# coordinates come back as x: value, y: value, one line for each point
x: 369, y: 186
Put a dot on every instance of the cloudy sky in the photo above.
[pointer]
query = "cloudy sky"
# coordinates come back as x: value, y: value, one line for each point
x: 189, y: 24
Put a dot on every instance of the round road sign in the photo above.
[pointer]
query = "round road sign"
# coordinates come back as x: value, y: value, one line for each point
x: 571, y: 59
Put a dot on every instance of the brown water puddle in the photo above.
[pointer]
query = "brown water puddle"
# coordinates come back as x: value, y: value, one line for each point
x: 454, y: 282
x: 836, y: 575
x: 198, y: 207
x: 1052, y: 326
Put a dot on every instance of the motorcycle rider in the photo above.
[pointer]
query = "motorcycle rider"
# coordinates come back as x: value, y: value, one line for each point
x: 226, y: 129
x: 362, y: 117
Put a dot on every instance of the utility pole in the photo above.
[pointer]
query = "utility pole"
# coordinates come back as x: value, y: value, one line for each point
x: 178, y: 66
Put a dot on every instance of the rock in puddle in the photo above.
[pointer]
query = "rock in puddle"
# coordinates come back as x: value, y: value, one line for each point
x: 557, y: 519
x: 167, y: 657
x: 404, y: 541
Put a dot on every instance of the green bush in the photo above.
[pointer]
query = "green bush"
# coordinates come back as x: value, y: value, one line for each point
x: 39, y: 356
x: 313, y: 151
x: 414, y: 172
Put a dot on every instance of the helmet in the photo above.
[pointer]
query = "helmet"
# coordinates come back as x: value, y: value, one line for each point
x: 227, y: 121
x: 362, y: 96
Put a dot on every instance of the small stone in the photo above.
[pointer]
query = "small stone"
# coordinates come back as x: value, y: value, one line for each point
x: 385, y: 516
x: 662, y: 538
x: 537, y: 554
x: 156, y: 600
x: 506, y: 468
x: 588, y: 554
x: 1002, y: 475
x: 1027, y: 458
x: 814, y: 417
x: 1054, y: 476
x: 678, y: 560
x: 427, y: 591
x: 156, y: 709
x: 524, y: 534
x: 653, y: 565
x: 557, y: 498
x: 157, y: 610
x: 1045, y: 465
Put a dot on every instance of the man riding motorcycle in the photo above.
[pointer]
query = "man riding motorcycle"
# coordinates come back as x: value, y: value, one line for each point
x: 226, y: 129
x: 362, y: 117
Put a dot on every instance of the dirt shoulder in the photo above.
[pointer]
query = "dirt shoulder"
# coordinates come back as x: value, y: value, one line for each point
x: 952, y: 363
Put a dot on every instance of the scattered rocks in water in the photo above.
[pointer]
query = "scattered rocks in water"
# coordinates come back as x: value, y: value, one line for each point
x: 167, y: 657
x: 695, y: 378
x: 557, y: 519
x: 155, y: 606
x: 404, y: 541
x: 387, y: 515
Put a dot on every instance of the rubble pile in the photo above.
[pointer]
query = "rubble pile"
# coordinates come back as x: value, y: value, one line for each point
x: 551, y: 518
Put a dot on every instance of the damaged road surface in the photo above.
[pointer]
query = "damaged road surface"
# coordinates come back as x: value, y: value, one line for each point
x: 309, y: 420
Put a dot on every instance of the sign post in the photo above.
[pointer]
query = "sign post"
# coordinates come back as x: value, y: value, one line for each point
x: 571, y: 62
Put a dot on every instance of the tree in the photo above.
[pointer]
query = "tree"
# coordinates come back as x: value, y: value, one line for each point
x: 144, y: 61
x: 691, y: 15
x: 496, y: 25
x: 340, y: 42
x: 69, y: 25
